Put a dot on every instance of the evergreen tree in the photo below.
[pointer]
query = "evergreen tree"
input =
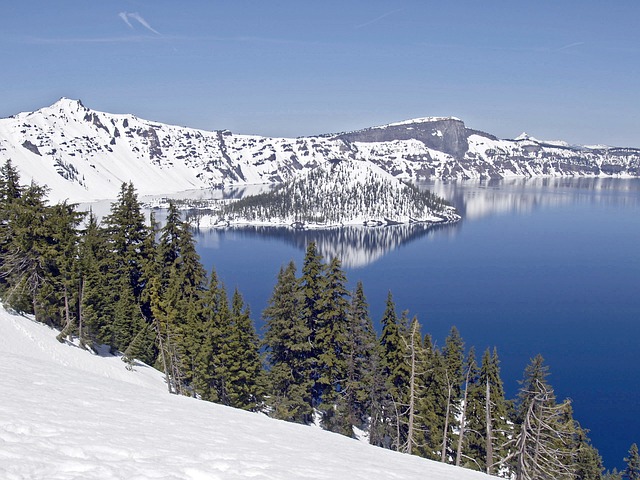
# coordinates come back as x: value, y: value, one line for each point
x: 471, y: 409
x: 433, y: 399
x: 126, y: 235
x: 212, y: 366
x: 332, y: 348
x: 10, y: 191
x: 96, y: 310
x: 245, y: 377
x: 10, y: 188
x: 27, y: 250
x: 397, y: 373
x: 488, y: 415
x: 588, y: 463
x: 311, y: 284
x: 183, y: 283
x: 453, y: 357
x: 64, y: 267
x: 289, y: 350
x: 612, y: 475
x: 632, y: 470
x: 363, y: 361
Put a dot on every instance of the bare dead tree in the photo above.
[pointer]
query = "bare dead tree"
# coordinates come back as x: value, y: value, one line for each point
x: 542, y: 449
x: 489, y: 428
x: 445, y: 431
x: 463, y: 418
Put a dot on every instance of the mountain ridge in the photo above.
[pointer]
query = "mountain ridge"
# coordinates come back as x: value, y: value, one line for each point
x: 83, y: 154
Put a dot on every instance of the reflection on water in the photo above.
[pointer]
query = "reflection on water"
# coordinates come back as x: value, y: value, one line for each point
x: 474, y: 199
x: 480, y: 198
x: 355, y: 246
x: 361, y: 246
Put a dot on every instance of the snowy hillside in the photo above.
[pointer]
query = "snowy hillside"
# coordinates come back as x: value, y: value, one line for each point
x: 84, y: 155
x: 67, y: 414
x: 336, y: 193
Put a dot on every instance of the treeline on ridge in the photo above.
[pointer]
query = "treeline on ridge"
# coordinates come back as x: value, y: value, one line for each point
x: 143, y: 291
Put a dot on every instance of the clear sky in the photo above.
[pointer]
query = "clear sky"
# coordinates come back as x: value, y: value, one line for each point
x: 560, y: 69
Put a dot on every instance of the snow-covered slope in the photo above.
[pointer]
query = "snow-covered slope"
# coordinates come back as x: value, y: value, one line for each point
x: 65, y: 414
x: 84, y: 155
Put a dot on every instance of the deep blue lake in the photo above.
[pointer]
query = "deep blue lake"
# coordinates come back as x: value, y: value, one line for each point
x: 548, y: 266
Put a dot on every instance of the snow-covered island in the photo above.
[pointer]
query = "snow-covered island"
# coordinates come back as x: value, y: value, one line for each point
x: 336, y: 193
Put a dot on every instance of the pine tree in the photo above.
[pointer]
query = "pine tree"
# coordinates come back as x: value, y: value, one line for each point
x: 470, y: 410
x: 96, y: 309
x: 588, y: 463
x: 182, y: 280
x: 632, y: 470
x: 311, y: 284
x: 64, y: 266
x: 488, y: 415
x: 453, y: 356
x: 396, y: 372
x: 126, y: 235
x: 432, y: 399
x: 245, y: 383
x: 612, y: 475
x: 363, y: 359
x: 332, y: 346
x: 27, y: 250
x: 10, y: 187
x: 212, y: 366
x: 10, y: 191
x: 289, y: 350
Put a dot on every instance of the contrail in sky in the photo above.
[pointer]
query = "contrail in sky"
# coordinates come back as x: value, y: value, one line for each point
x: 571, y: 45
x: 377, y: 19
x: 125, y: 16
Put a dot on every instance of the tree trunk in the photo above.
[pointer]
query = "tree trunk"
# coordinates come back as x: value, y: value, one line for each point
x: 80, y: 295
x: 443, y: 455
x: 489, y: 433
x: 463, y: 419
x: 412, y: 391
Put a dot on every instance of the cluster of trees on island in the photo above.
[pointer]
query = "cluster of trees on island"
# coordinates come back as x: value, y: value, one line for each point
x: 142, y: 290
x: 339, y: 192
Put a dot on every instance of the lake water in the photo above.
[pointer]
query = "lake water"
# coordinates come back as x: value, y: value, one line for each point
x: 548, y: 266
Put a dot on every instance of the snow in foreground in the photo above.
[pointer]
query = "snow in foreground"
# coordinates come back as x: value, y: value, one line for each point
x: 66, y: 414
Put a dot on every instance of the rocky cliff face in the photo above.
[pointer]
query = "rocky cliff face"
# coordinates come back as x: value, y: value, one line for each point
x: 448, y: 135
x: 83, y: 154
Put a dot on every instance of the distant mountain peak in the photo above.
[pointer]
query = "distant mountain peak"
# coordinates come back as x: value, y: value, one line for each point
x: 65, y: 104
x: 526, y: 136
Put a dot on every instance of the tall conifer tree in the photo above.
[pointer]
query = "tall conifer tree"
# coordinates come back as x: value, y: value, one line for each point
x: 332, y: 348
x: 289, y: 350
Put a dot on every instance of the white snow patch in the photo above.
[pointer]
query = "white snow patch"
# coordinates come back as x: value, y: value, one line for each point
x: 67, y: 414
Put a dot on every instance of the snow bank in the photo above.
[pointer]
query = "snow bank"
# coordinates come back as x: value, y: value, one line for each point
x: 67, y: 414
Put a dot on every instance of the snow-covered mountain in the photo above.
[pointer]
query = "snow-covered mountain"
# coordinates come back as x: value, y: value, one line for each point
x: 67, y: 414
x: 84, y: 155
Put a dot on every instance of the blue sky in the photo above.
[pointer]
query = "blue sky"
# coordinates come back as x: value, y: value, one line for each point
x: 557, y: 69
